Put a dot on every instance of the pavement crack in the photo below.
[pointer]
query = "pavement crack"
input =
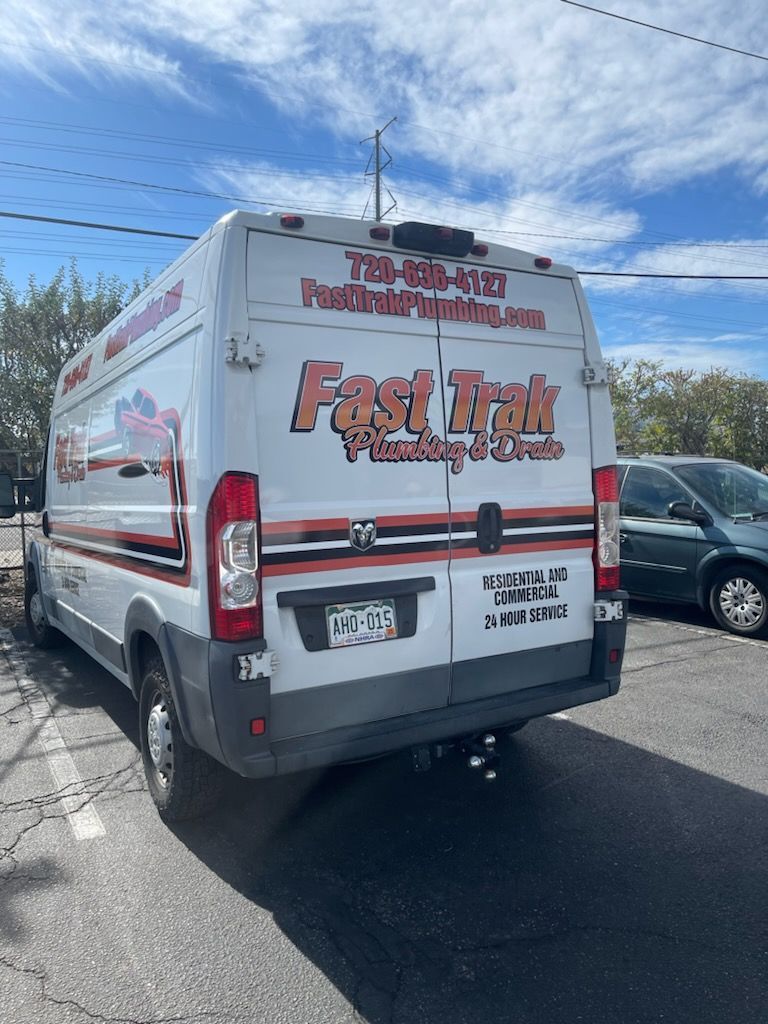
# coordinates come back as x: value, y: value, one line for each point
x: 41, y: 977
x: 73, y: 789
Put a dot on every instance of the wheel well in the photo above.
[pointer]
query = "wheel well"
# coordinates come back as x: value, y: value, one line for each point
x: 144, y: 650
x: 727, y: 563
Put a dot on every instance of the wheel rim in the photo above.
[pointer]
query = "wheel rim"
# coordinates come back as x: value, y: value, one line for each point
x: 36, y: 611
x: 741, y: 602
x: 159, y: 739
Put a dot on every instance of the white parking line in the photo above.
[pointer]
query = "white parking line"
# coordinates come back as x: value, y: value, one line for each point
x: 701, y: 630
x: 77, y: 802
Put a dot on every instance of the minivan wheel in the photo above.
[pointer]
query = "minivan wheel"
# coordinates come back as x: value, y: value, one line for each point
x: 184, y: 782
x: 40, y: 630
x: 738, y: 599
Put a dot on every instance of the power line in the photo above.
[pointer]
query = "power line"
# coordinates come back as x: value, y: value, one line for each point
x: 681, y: 277
x: 500, y: 231
x: 667, y: 31
x: 169, y: 234
x: 172, y: 189
x: 679, y: 313
x: 179, y: 142
x: 91, y: 224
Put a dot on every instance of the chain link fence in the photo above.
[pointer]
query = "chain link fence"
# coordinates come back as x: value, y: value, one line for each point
x: 15, y: 533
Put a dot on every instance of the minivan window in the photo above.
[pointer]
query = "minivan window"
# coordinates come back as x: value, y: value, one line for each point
x: 733, y: 489
x: 648, y: 493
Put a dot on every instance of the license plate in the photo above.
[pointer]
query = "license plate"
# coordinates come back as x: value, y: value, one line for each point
x: 364, y: 623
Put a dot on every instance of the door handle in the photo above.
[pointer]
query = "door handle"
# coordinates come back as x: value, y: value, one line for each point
x: 489, y: 527
x: 623, y: 538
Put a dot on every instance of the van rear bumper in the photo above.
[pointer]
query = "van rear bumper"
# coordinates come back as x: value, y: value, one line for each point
x: 453, y: 721
x: 215, y: 708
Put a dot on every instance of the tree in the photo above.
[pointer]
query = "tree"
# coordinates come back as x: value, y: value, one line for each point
x: 39, y: 331
x: 711, y: 413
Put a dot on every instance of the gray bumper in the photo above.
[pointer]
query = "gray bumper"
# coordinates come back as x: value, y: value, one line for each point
x: 216, y: 708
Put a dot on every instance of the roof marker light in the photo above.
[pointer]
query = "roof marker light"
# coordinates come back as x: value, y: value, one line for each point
x: 481, y: 249
x: 543, y: 262
x: 290, y: 220
x: 381, y: 234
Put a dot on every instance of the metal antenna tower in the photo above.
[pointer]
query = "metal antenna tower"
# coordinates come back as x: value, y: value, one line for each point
x: 378, y: 167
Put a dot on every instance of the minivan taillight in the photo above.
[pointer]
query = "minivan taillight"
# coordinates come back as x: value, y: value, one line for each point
x: 606, y: 553
x: 234, y: 559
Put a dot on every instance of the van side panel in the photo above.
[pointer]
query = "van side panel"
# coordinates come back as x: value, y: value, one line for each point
x: 122, y: 477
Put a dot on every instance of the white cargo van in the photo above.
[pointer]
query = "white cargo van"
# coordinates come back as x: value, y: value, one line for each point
x: 328, y: 489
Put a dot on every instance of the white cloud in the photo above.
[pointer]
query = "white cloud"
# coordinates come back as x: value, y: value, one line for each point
x: 543, y: 95
x: 45, y: 41
x: 692, y: 352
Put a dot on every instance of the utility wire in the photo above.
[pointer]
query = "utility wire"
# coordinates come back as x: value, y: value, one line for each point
x: 667, y: 31
x: 170, y: 234
x: 91, y: 224
x: 173, y: 189
x: 682, y: 277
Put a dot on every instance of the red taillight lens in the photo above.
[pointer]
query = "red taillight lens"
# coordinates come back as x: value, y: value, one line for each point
x: 234, y: 559
x: 258, y: 726
x: 606, y: 553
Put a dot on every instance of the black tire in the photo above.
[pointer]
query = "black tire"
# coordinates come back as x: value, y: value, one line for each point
x: 184, y: 782
x: 738, y: 600
x: 42, y: 633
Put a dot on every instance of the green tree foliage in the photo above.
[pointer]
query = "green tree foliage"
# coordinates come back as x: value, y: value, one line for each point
x: 715, y: 412
x: 40, y: 329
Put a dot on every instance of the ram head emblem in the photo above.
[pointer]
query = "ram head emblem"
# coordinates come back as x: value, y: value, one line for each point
x: 362, y: 533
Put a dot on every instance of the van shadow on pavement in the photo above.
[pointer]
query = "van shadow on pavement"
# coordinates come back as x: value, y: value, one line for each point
x: 593, y: 881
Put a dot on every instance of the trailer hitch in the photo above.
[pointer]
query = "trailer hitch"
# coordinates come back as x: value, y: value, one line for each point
x: 481, y: 752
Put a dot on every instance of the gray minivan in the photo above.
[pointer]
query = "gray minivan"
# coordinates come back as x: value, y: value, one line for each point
x: 695, y: 529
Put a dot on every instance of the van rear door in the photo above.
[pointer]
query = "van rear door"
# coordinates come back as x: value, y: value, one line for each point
x: 348, y: 520
x: 522, y: 506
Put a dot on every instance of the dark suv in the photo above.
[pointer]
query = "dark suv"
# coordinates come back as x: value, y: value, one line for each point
x: 696, y: 529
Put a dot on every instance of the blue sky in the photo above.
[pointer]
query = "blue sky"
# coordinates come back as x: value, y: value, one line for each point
x: 547, y: 127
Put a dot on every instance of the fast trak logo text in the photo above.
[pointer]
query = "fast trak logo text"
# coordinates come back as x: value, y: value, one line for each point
x: 495, y: 415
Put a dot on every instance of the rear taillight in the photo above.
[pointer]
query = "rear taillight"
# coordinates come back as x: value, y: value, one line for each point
x: 234, y: 559
x: 606, y: 553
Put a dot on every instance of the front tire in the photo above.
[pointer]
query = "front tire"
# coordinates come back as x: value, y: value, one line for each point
x: 42, y: 633
x: 184, y: 782
x: 738, y: 600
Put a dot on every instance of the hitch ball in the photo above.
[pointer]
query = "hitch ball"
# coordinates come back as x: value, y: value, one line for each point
x: 489, y: 775
x: 476, y: 761
x: 489, y: 741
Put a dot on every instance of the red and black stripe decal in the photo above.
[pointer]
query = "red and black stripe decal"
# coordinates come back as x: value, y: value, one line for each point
x: 446, y: 537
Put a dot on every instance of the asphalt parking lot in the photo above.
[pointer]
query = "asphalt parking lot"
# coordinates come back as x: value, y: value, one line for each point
x: 615, y: 871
